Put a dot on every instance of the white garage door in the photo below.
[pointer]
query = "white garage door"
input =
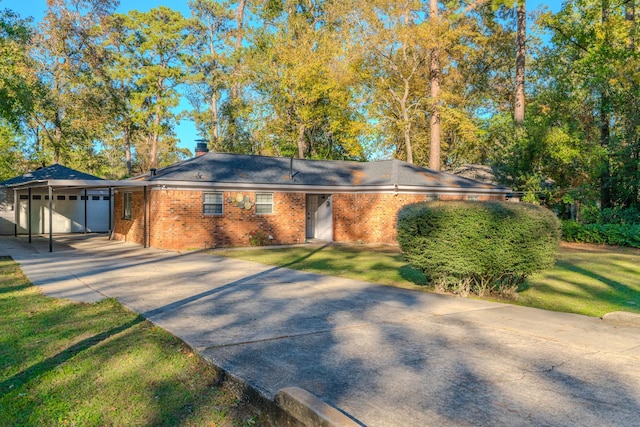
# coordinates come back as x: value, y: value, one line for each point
x: 68, y: 213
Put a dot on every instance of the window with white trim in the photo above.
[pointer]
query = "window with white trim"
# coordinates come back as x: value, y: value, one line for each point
x: 127, y: 203
x: 212, y: 203
x: 264, y: 203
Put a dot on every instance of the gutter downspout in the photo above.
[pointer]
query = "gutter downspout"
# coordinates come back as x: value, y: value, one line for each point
x: 109, y: 209
x: 15, y: 213
x: 144, y: 221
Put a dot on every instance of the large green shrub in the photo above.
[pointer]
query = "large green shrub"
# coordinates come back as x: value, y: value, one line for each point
x: 478, y: 247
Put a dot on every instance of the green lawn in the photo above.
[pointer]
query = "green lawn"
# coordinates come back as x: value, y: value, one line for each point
x: 99, y: 364
x: 587, y: 279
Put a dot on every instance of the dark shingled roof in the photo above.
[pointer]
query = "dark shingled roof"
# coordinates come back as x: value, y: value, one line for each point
x: 237, y: 168
x: 50, y: 172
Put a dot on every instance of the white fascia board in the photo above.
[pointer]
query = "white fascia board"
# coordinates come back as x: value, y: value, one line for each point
x: 298, y: 188
x: 28, y: 184
x: 65, y: 183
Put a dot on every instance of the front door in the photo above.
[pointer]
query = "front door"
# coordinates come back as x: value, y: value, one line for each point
x: 319, y: 217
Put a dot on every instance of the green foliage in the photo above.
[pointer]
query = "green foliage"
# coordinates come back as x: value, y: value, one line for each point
x: 622, y: 234
x: 15, y: 85
x: 478, y: 247
x: 591, y: 214
x: 259, y: 238
x: 591, y: 85
x: 10, y: 156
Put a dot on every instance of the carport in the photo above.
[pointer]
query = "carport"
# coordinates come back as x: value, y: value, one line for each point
x: 54, y: 186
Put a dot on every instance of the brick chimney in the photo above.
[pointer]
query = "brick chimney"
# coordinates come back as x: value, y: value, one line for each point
x: 201, y: 148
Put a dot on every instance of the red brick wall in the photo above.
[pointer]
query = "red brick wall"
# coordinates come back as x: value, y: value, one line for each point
x: 371, y: 218
x: 129, y: 230
x: 368, y: 218
x: 176, y: 220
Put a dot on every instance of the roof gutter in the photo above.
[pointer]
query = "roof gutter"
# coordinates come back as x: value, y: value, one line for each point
x: 301, y: 188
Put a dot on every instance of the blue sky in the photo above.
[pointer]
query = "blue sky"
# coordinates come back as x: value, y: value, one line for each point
x: 185, y: 131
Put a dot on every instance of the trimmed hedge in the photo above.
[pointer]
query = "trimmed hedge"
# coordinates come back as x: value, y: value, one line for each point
x: 478, y: 247
x: 602, y: 234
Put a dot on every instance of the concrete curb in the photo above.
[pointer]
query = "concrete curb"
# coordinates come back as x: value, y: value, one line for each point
x: 310, y: 410
x: 291, y: 407
x: 622, y: 318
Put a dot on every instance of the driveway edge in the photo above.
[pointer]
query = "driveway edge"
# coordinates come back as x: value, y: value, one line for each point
x: 291, y: 407
x: 622, y: 318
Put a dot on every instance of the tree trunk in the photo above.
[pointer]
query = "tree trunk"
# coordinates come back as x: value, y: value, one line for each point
x: 57, y: 136
x: 214, y: 114
x: 633, y: 118
x: 407, y: 122
x: 434, y: 151
x: 605, y: 135
x: 300, y: 142
x: 519, y: 102
x: 630, y: 15
x: 235, y: 89
x: 127, y: 149
x: 155, y: 136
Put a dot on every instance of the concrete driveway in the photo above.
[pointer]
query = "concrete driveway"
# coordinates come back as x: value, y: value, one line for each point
x: 385, y: 356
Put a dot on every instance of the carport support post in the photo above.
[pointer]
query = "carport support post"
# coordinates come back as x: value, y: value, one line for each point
x: 109, y: 209
x: 15, y: 213
x: 29, y: 213
x: 85, y: 210
x: 50, y: 219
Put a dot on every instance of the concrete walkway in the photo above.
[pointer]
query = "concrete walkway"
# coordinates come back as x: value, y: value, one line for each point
x: 385, y: 356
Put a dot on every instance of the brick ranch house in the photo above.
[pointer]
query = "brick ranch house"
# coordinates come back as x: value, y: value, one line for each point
x: 216, y: 200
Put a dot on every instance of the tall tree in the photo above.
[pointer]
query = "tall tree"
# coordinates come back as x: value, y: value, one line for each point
x: 301, y: 72
x: 435, y: 73
x: 592, y: 38
x: 521, y: 39
x: 158, y: 40
x: 66, y: 119
x: 209, y: 80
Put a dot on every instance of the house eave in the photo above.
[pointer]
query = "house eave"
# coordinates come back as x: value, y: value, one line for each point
x: 305, y: 188
x: 246, y: 186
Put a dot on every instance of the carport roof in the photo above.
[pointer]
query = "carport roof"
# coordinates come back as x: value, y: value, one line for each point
x: 52, y: 172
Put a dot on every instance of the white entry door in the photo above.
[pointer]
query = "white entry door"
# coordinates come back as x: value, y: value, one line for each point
x: 319, y: 217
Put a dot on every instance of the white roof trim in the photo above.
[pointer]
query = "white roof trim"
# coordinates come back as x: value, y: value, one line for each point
x: 235, y: 186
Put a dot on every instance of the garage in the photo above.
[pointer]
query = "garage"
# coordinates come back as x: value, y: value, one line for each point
x: 67, y: 209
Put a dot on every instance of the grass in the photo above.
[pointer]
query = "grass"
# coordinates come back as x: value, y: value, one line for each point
x: 384, y: 265
x: 100, y: 364
x: 587, y: 279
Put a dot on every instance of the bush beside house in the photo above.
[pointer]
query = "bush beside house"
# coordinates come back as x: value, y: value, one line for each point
x: 478, y: 247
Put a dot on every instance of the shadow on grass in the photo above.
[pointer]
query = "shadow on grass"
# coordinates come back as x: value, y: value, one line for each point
x: 305, y: 257
x: 412, y: 275
x: 53, y: 362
